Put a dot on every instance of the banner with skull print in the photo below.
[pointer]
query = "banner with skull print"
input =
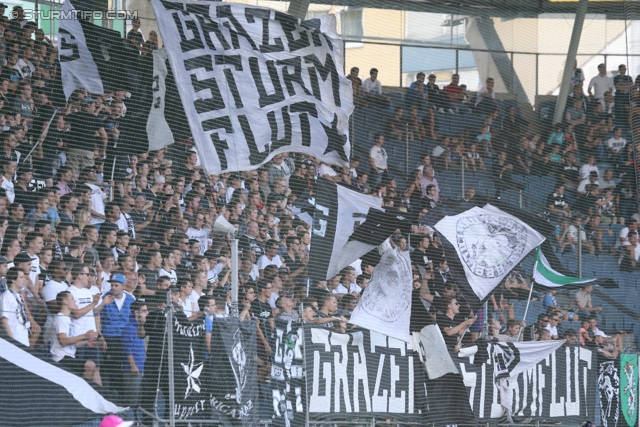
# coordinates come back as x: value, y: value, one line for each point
x: 287, y: 375
x: 232, y: 372
x: 609, y: 389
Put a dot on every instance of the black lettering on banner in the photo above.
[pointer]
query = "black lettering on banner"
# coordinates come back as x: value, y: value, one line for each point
x: 306, y: 109
x: 236, y: 61
x: 273, y: 124
x: 313, y: 25
x: 201, y: 13
x: 290, y: 24
x: 202, y: 61
x: 216, y: 102
x: 314, y: 30
x: 324, y: 70
x: 219, y: 144
x: 170, y: 5
x: 264, y: 99
x: 255, y: 157
x: 68, y: 41
x: 251, y: 13
x: 296, y: 76
x: 238, y: 29
x: 187, y: 44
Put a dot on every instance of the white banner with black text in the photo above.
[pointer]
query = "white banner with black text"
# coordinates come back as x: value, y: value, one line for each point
x: 255, y: 82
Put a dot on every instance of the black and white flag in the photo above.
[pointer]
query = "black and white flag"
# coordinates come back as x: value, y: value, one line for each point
x: 255, y: 82
x: 339, y: 212
x: 35, y: 392
x: 288, y: 375
x: 232, y: 372
x: 96, y: 59
x: 513, y: 358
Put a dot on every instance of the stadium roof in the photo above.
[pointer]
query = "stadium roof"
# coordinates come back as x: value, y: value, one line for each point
x: 509, y: 9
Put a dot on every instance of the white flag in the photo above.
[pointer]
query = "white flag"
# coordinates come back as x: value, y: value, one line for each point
x: 385, y: 306
x: 490, y: 243
x: 76, y: 62
x: 158, y: 130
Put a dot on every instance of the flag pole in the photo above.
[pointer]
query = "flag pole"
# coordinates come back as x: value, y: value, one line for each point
x: 526, y: 310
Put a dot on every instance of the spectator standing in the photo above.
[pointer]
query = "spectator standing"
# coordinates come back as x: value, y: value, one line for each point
x: 65, y: 340
x: 13, y: 311
x: 600, y: 83
x: 114, y: 318
x: 622, y: 82
x: 133, y: 346
x: 378, y: 159
x: 451, y: 328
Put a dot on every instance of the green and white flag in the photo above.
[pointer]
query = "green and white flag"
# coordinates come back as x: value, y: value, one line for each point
x: 545, y: 275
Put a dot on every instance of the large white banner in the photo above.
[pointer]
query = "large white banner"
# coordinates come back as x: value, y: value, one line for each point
x: 490, y: 243
x: 255, y: 82
x: 76, y: 62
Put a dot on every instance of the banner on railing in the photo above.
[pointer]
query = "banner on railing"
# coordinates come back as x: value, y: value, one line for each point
x: 363, y: 373
x: 287, y: 375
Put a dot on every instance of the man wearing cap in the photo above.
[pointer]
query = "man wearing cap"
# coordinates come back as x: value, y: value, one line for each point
x: 86, y: 130
x: 114, y: 318
x: 602, y: 347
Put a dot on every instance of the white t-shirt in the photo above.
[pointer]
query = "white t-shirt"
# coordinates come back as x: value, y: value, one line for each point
x: 552, y: 329
x: 97, y: 202
x: 201, y: 236
x: 83, y: 297
x: 106, y: 284
x: 187, y: 308
x: 326, y: 170
x: 49, y: 293
x: 11, y: 307
x: 379, y: 156
x: 173, y: 277
x: 483, y: 90
x: 600, y: 85
x: 573, y: 233
x: 624, y: 234
x: 62, y: 324
x: 616, y: 144
x: 340, y: 289
x: 193, y: 298
x: 582, y: 187
x: 636, y: 252
x: 372, y: 87
x: 586, y: 169
x: 354, y: 287
x: 9, y: 189
x: 263, y: 261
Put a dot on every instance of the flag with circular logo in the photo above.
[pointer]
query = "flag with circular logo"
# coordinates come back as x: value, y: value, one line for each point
x: 629, y: 387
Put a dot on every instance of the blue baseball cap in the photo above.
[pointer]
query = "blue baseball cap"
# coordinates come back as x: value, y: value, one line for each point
x: 117, y: 277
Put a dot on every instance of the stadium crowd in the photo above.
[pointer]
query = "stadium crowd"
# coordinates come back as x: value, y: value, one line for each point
x: 89, y: 250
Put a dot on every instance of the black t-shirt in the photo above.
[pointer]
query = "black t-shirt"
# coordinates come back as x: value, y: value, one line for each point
x: 622, y: 95
x: 419, y: 257
x: 420, y: 317
x: 444, y: 322
x: 556, y: 200
x: 150, y: 276
x: 262, y: 310
x: 83, y: 125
